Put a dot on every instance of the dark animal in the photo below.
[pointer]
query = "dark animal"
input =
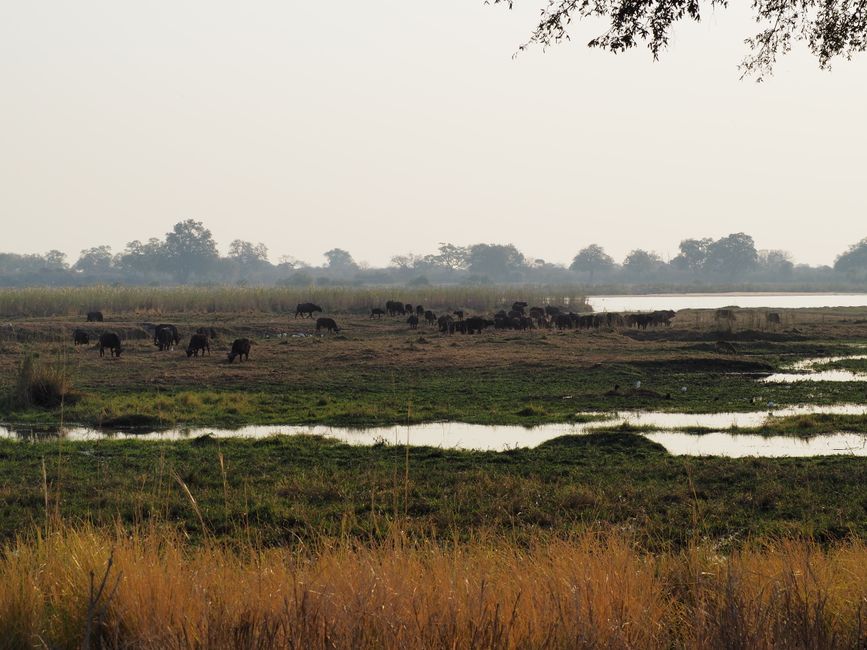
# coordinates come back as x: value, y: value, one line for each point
x: 475, y: 325
x: 562, y: 321
x: 458, y: 326
x: 94, y: 317
x: 198, y: 343
x: 412, y: 321
x: 552, y: 311
x: 377, y: 312
x: 111, y: 341
x: 519, y: 306
x: 163, y: 339
x: 240, y: 349
x: 537, y: 312
x: 459, y: 313
x: 407, y: 308
x: 306, y: 309
x: 394, y: 308
x: 80, y: 337
x: 446, y: 324
x: 326, y: 323
x: 430, y: 317
x: 419, y: 311
x: 174, y: 337
x: 662, y: 317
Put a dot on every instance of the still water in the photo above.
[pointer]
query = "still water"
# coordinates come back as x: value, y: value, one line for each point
x: 458, y: 435
x: 806, y: 371
x: 677, y: 301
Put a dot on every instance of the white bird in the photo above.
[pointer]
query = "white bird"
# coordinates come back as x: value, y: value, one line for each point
x: 638, y: 383
x: 683, y: 389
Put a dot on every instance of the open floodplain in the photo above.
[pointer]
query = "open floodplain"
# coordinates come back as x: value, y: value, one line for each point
x: 542, y: 500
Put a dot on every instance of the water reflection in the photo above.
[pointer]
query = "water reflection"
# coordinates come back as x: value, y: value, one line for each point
x: 804, y: 371
x: 460, y: 435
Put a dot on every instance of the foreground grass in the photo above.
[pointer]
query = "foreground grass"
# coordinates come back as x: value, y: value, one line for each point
x: 588, y: 591
x: 286, y: 489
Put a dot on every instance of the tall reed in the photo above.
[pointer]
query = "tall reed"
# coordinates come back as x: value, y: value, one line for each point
x: 595, y: 590
x: 74, y: 302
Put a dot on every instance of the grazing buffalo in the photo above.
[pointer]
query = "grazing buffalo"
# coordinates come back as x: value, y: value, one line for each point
x: 306, y: 309
x: 419, y: 311
x: 173, y: 336
x: 94, y: 317
x: 198, y: 343
x: 377, y: 312
x: 240, y: 349
x: 562, y: 321
x: 163, y: 339
x: 430, y: 317
x: 446, y: 324
x: 408, y: 309
x: 475, y: 325
x: 459, y: 313
x: 111, y: 341
x: 326, y: 323
x: 394, y: 308
x: 412, y: 321
x: 80, y: 337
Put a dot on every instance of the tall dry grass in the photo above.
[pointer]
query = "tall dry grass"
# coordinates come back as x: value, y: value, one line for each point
x: 72, y: 302
x: 591, y: 591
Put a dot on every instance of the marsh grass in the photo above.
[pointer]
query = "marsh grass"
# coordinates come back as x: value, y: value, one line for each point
x: 588, y: 591
x: 40, y: 384
x: 71, y: 302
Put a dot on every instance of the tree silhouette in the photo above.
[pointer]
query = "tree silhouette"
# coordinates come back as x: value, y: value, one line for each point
x: 830, y: 28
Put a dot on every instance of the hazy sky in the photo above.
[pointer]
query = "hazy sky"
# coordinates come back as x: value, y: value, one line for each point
x: 385, y: 127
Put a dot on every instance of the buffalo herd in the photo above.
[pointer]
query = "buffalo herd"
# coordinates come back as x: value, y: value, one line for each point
x: 519, y: 317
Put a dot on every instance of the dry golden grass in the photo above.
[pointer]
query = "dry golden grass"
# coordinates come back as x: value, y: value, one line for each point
x: 591, y: 591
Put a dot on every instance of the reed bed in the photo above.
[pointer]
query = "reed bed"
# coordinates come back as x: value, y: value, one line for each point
x: 74, y: 302
x: 80, y: 587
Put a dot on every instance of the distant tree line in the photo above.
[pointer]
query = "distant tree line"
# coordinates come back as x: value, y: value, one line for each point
x: 188, y: 254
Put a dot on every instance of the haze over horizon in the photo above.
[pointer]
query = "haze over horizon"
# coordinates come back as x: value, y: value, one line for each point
x: 386, y: 129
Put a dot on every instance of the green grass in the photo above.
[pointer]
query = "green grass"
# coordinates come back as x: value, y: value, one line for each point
x: 286, y: 489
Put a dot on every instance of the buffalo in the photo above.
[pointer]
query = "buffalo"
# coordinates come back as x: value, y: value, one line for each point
x: 419, y: 311
x: 306, y: 309
x: 198, y: 343
x: 475, y: 325
x: 80, y: 337
x: 94, y: 317
x: 377, y: 312
x: 173, y: 338
x: 327, y: 324
x: 459, y: 313
x: 240, y: 349
x: 408, y: 309
x: 446, y: 324
x: 430, y: 317
x: 394, y: 308
x: 519, y: 306
x: 111, y: 341
x: 163, y: 339
x: 551, y: 311
x: 412, y: 321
